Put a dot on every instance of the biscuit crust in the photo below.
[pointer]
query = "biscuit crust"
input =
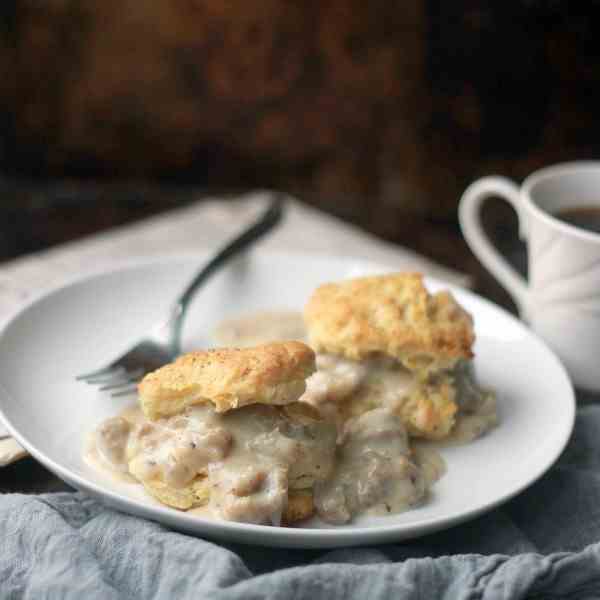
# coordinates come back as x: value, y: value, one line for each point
x: 193, y: 495
x: 300, y: 505
x: 391, y: 315
x: 428, y: 410
x: 229, y: 378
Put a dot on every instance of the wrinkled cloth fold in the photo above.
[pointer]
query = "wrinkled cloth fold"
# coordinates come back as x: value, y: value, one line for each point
x: 543, y: 544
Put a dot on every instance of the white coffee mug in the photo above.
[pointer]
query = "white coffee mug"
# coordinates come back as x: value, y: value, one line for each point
x: 561, y: 301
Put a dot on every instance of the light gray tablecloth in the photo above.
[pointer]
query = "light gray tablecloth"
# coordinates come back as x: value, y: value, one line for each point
x: 542, y: 545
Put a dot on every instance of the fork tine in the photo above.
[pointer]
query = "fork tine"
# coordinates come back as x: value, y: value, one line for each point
x: 132, y: 377
x: 126, y: 392
x: 93, y: 374
x: 116, y: 385
x: 104, y: 377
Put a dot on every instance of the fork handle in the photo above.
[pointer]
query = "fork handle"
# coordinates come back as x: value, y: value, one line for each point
x: 269, y: 218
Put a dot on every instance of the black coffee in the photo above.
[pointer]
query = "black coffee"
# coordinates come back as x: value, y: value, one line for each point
x: 586, y: 217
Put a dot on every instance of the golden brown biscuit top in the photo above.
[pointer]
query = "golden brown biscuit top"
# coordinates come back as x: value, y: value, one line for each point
x: 230, y: 378
x: 391, y: 315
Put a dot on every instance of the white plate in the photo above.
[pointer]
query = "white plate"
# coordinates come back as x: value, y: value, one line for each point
x: 80, y: 326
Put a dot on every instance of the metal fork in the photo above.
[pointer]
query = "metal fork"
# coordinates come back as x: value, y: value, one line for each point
x: 164, y: 341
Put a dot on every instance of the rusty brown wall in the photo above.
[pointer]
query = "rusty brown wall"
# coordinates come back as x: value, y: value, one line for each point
x: 378, y: 110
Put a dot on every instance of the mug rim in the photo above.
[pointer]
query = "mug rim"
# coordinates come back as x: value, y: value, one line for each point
x: 559, y: 169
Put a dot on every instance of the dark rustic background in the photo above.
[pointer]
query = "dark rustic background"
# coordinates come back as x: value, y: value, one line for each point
x: 380, y: 112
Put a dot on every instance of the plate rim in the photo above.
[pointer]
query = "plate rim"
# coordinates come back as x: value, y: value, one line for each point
x: 268, y: 535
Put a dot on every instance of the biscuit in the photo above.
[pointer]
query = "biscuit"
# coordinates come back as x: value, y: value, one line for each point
x: 392, y: 315
x: 299, y: 505
x: 229, y: 378
x: 428, y: 410
x: 197, y: 493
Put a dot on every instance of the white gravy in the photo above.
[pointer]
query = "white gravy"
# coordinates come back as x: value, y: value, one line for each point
x: 374, y: 474
x: 260, y: 328
x: 337, y: 378
x: 477, y: 407
x: 252, y: 456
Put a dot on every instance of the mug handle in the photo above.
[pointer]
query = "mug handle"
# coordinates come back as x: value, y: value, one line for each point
x: 469, y: 215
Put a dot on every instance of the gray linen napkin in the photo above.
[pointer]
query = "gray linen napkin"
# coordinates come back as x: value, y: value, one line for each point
x: 543, y: 544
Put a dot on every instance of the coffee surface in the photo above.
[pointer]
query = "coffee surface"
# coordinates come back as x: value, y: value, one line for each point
x: 583, y: 216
